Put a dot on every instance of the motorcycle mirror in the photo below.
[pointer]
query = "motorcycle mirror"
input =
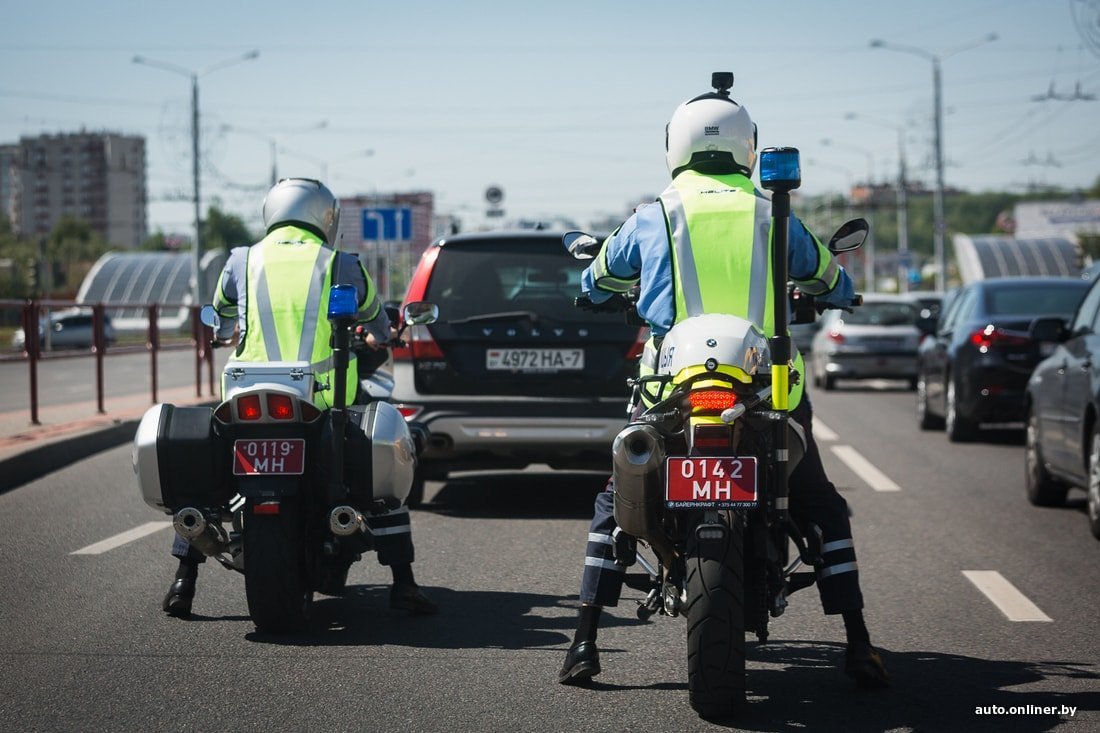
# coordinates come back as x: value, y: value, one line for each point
x: 582, y: 246
x: 208, y: 316
x: 393, y: 310
x: 850, y: 236
x: 420, y: 313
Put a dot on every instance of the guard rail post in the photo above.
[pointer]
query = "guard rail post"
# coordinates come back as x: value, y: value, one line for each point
x: 99, y: 345
x: 30, y: 344
x: 152, y: 344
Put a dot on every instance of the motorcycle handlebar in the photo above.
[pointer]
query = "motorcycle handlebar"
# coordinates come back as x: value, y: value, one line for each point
x: 617, y: 303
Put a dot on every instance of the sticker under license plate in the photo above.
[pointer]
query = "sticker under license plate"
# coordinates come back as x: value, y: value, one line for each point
x: 269, y: 457
x: 710, y: 482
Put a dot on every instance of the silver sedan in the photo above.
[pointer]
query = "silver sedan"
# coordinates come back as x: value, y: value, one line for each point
x: 878, y: 340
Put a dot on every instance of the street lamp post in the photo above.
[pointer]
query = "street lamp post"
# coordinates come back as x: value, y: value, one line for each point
x: 196, y: 251
x: 869, y: 245
x: 902, y: 203
x: 939, y: 224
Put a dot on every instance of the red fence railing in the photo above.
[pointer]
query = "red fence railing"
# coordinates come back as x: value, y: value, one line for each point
x: 33, y: 353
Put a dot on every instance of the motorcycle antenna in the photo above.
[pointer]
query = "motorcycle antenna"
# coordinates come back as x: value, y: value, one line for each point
x: 722, y: 81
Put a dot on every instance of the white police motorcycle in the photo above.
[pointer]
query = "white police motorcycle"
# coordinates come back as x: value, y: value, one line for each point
x: 701, y: 476
x: 272, y: 486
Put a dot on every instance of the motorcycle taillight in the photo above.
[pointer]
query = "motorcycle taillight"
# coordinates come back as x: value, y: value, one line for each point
x: 280, y: 407
x: 712, y: 400
x: 248, y: 407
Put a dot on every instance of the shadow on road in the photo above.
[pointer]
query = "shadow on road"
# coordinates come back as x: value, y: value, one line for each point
x: 466, y: 620
x: 932, y: 691
x: 556, y: 495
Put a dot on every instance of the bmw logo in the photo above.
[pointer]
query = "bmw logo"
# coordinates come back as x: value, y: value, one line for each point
x: 711, y: 343
x: 711, y: 364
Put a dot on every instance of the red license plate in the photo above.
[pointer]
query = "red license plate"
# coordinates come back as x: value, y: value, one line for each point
x: 269, y: 457
x: 710, y: 482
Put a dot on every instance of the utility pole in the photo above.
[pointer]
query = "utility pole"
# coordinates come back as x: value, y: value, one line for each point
x: 939, y: 224
x: 197, y: 295
x: 901, y: 198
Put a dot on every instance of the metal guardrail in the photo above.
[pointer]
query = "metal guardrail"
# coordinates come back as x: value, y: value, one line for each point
x: 33, y: 353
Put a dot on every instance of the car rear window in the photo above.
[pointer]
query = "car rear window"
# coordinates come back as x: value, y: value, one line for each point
x: 882, y: 314
x: 505, y: 276
x: 1026, y: 300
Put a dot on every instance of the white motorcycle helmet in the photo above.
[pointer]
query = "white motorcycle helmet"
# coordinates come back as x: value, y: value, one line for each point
x: 712, y: 133
x: 304, y: 202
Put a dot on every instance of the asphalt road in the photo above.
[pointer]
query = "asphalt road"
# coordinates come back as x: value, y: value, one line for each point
x: 72, y: 379
x: 86, y: 646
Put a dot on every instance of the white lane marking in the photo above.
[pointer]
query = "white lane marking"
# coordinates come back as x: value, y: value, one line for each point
x: 824, y: 432
x: 122, y: 538
x: 1011, y: 602
x: 875, y: 478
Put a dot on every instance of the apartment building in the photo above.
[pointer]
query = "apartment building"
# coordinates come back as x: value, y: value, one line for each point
x: 95, y: 176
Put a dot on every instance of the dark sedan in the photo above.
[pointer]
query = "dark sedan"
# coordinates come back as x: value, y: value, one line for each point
x: 1062, y: 403
x: 974, y: 368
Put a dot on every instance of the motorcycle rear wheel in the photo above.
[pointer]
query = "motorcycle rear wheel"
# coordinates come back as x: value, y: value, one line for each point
x: 278, y: 593
x: 716, y: 620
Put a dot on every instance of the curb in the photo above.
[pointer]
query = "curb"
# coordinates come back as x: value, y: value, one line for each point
x: 37, y: 462
x: 18, y: 469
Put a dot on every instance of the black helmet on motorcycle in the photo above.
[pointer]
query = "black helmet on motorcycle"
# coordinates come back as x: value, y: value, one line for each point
x: 711, y: 133
x: 303, y: 202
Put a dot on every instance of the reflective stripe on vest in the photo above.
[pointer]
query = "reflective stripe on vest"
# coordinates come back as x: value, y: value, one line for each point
x: 710, y: 219
x: 288, y: 278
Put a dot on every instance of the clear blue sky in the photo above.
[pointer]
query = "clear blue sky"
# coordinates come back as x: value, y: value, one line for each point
x: 562, y: 104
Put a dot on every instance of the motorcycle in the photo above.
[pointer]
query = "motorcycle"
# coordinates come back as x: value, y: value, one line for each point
x: 270, y: 485
x: 700, y: 476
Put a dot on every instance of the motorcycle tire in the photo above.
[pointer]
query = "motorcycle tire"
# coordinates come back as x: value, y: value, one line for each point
x: 279, y: 595
x: 716, y: 620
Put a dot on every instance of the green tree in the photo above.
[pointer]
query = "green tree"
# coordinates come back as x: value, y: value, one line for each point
x: 221, y: 230
x: 18, y: 255
x: 71, y: 249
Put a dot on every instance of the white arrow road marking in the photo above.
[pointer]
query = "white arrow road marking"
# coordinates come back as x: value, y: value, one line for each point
x: 122, y: 538
x: 1011, y: 602
x: 875, y: 478
x: 824, y: 432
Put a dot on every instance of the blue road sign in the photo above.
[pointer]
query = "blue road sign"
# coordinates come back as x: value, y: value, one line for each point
x: 387, y: 224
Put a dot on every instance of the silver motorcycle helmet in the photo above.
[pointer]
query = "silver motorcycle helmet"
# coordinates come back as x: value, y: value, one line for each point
x: 304, y: 202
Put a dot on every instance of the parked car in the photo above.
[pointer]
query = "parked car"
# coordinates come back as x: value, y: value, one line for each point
x: 974, y: 367
x: 1062, y: 402
x: 512, y: 373
x: 877, y: 340
x: 69, y: 329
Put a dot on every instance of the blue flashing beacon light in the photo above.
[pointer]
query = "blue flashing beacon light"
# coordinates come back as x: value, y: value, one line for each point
x: 343, y: 301
x: 780, y: 169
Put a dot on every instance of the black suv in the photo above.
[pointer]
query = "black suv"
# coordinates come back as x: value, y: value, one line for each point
x: 512, y: 373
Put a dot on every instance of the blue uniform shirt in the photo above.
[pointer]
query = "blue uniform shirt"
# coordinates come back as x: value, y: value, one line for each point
x: 644, y: 238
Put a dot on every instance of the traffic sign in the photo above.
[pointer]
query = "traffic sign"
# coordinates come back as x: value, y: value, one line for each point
x: 387, y: 224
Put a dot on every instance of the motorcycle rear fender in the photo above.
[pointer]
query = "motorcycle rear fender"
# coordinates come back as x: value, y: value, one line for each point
x: 268, y: 488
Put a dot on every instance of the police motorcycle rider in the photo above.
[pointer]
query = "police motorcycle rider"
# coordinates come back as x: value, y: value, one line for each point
x: 275, y: 291
x: 703, y: 247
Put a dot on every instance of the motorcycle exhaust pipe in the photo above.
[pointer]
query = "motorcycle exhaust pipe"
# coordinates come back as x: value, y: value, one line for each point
x: 638, y: 458
x: 207, y: 537
x: 345, y: 521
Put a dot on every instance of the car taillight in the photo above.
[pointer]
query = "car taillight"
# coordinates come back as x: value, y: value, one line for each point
x: 638, y: 346
x: 409, y: 412
x: 248, y: 407
x: 991, y: 336
x: 421, y: 345
x: 280, y: 406
x: 712, y: 400
x: 835, y: 336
